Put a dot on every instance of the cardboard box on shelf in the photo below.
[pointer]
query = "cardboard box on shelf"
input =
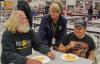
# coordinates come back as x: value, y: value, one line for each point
x: 8, y: 5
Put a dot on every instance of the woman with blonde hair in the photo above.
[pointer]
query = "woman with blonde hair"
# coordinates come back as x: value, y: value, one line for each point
x: 18, y: 40
x: 53, y: 25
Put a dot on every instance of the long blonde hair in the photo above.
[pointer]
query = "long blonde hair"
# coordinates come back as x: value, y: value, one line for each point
x: 12, y: 22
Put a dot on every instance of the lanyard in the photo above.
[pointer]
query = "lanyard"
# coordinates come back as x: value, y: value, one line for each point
x: 54, y: 28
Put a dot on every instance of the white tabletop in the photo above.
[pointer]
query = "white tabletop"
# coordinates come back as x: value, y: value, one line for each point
x: 89, y: 29
x: 58, y: 59
x: 95, y: 21
x: 39, y: 16
x: 72, y: 17
x: 37, y: 21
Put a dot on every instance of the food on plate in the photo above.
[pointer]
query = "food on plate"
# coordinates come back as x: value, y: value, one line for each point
x: 40, y: 58
x: 70, y: 57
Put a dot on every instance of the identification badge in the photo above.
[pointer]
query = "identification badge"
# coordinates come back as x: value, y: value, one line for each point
x: 60, y: 27
x: 53, y: 41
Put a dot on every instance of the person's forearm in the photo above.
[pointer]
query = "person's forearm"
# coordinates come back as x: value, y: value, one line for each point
x: 91, y: 56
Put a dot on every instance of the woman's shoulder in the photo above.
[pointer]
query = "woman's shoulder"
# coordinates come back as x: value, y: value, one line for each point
x: 46, y: 16
x: 63, y: 18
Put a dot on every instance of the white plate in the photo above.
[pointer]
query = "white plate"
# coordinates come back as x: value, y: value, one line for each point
x: 42, y: 58
x: 69, y: 57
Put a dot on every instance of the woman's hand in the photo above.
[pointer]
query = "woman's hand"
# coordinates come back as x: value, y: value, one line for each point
x: 51, y: 54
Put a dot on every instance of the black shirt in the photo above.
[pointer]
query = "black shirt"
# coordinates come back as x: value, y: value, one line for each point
x: 82, y: 46
x: 16, y: 46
